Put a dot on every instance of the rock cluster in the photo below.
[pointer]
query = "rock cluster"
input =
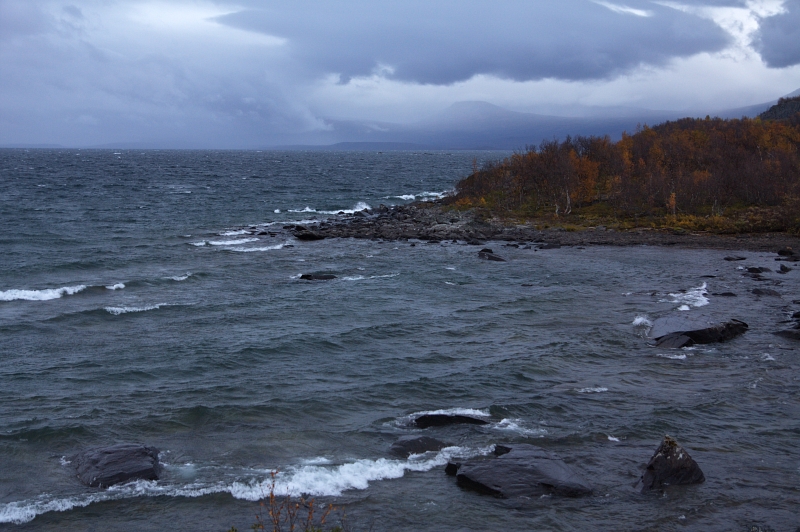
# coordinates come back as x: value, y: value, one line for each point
x: 708, y: 335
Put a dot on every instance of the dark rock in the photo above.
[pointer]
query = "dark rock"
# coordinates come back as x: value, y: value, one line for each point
x: 549, y: 246
x: 710, y: 335
x: 440, y: 420
x: 451, y: 469
x: 491, y: 256
x: 765, y: 292
x: 408, y: 445
x: 317, y: 277
x: 786, y: 252
x: 306, y: 234
x: 735, y: 258
x: 784, y: 269
x: 105, y: 466
x: 758, y: 270
x: 671, y: 465
x: 523, y: 471
x: 791, y: 334
x: 796, y: 315
x: 724, y: 294
x: 486, y: 250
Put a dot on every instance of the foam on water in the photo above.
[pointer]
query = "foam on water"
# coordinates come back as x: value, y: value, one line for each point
x: 264, y: 248
x: 40, y: 295
x: 360, y: 206
x: 672, y: 356
x: 692, y: 298
x: 180, y: 277
x: 642, y: 321
x: 517, y: 426
x: 118, y: 286
x: 235, y: 233
x: 593, y: 390
x: 316, y: 477
x: 116, y: 311
x: 237, y: 242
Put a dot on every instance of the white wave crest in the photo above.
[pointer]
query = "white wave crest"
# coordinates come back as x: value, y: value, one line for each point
x: 235, y: 233
x: 180, y: 277
x: 593, y: 390
x: 118, y: 286
x: 265, y: 248
x: 237, y: 242
x: 517, y: 426
x: 692, y: 298
x: 116, y: 311
x: 40, y: 295
x: 360, y: 206
x: 642, y: 321
x: 671, y: 356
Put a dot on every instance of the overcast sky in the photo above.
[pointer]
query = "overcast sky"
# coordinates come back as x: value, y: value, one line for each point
x: 243, y: 73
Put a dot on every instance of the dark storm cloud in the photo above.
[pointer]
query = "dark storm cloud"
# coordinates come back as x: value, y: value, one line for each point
x: 778, y: 38
x: 444, y: 42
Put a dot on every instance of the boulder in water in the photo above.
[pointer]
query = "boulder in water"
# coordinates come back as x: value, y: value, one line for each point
x: 440, y: 420
x: 709, y: 335
x: 317, y: 277
x: 105, y: 466
x: 408, y: 445
x: 520, y: 470
x: 306, y: 234
x: 765, y: 292
x: 671, y: 465
x: 734, y: 258
x: 488, y: 254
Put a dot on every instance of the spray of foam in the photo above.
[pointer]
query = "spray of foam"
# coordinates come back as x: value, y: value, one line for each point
x: 116, y: 311
x: 692, y: 298
x: 40, y: 295
x: 118, y: 286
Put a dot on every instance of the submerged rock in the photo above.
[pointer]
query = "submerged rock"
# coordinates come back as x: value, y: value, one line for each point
x: 488, y: 254
x: 408, y: 445
x: 440, y: 420
x: 105, y: 466
x: 735, y: 258
x: 520, y: 470
x: 671, y: 465
x: 317, y: 277
x: 710, y: 335
x: 765, y: 292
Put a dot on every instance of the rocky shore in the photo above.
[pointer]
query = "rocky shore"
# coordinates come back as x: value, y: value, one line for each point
x: 434, y: 222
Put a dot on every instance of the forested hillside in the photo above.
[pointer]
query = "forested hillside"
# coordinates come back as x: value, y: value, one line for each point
x: 713, y: 174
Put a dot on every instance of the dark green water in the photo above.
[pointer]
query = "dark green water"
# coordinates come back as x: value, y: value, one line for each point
x: 216, y: 353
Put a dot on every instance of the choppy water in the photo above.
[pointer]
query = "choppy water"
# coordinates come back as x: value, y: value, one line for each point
x: 133, y: 308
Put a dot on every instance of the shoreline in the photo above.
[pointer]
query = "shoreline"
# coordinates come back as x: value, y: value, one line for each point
x: 430, y: 222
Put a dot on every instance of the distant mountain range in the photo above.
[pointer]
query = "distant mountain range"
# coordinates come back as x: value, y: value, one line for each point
x: 483, y: 126
x: 474, y: 125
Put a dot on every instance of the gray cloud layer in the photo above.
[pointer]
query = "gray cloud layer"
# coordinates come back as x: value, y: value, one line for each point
x: 778, y: 38
x: 448, y: 41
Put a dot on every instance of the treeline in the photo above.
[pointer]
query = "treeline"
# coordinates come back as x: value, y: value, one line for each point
x: 700, y: 167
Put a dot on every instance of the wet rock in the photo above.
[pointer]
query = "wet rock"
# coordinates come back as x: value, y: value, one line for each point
x: 451, y: 469
x: 724, y: 294
x: 408, y: 445
x: 786, y: 252
x: 105, y: 466
x: 523, y: 471
x: 317, y: 277
x: 491, y: 256
x: 784, y: 269
x: 734, y: 258
x: 765, y: 292
x: 440, y: 420
x: 791, y: 334
x: 549, y: 246
x: 671, y: 465
x: 709, y: 335
x: 306, y: 234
